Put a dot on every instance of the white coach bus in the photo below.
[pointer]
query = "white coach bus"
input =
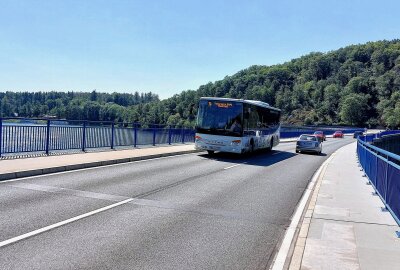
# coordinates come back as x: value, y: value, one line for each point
x: 236, y: 125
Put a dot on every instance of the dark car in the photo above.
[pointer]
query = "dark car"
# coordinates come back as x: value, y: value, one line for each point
x: 320, y: 135
x: 358, y: 133
x: 338, y: 134
x: 308, y: 143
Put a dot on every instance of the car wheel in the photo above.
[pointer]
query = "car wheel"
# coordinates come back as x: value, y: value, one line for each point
x: 210, y: 152
x: 297, y: 151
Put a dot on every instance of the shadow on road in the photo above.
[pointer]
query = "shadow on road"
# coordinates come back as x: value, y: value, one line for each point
x: 313, y: 154
x: 259, y: 158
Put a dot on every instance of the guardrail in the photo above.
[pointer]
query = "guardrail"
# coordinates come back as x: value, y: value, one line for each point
x: 38, y: 135
x: 45, y: 135
x: 389, y: 143
x: 383, y: 171
x: 292, y: 132
x: 371, y: 137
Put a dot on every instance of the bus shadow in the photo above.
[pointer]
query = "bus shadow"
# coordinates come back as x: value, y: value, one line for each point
x: 257, y: 159
x: 314, y: 154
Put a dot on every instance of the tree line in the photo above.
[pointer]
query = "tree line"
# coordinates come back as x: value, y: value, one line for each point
x: 91, y: 106
x: 356, y: 85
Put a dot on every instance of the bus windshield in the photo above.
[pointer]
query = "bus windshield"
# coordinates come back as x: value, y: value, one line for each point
x: 220, y: 117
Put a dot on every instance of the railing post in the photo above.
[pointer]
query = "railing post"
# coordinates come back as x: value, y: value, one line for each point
x: 386, y: 179
x: 112, y: 135
x: 134, y: 134
x: 376, y: 168
x: 47, y: 137
x: 169, y: 135
x: 1, y: 134
x: 154, y: 135
x: 84, y: 136
x: 183, y: 135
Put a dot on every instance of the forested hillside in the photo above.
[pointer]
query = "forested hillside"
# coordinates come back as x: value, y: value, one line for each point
x: 356, y: 85
x: 72, y: 105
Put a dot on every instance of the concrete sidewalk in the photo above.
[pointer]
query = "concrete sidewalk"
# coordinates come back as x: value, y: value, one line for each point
x: 344, y: 226
x: 24, y: 167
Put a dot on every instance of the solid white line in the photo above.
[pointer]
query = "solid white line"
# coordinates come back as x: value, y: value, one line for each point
x: 91, y: 168
x: 59, y: 224
x: 283, y: 252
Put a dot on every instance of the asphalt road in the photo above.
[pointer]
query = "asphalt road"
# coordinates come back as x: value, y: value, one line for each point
x: 183, y: 212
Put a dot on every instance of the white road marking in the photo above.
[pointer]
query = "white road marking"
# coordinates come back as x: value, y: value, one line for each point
x: 234, y: 166
x: 59, y: 224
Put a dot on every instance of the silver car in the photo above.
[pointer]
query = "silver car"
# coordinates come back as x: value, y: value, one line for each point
x: 308, y: 143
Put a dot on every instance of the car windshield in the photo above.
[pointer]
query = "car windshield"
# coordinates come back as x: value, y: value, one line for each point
x: 338, y: 132
x: 220, y: 117
x: 307, y: 138
x: 318, y: 132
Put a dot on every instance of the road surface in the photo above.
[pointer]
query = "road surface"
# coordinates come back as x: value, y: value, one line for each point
x: 183, y: 212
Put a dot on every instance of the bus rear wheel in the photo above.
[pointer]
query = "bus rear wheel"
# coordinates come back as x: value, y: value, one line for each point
x: 210, y: 152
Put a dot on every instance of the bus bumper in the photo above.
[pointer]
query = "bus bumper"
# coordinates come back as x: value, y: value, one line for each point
x: 225, y: 148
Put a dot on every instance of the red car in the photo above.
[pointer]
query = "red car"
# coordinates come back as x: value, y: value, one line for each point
x: 338, y: 134
x: 320, y: 135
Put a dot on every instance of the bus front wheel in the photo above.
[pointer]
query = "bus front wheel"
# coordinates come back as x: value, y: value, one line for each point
x: 251, y: 146
x: 271, y: 143
x: 210, y: 152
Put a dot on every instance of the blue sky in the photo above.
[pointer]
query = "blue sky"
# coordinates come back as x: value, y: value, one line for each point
x: 169, y: 46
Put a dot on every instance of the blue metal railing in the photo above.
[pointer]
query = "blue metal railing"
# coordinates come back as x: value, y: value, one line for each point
x: 293, y: 132
x: 43, y: 135
x: 20, y: 135
x: 371, y: 137
x: 383, y: 171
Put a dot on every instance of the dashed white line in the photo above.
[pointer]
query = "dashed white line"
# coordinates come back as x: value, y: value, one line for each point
x: 59, y: 224
x: 234, y: 165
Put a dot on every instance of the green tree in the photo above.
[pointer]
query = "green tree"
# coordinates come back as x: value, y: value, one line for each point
x: 354, y: 108
x: 6, y: 107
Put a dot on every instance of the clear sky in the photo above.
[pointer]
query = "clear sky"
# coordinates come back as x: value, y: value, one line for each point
x: 172, y: 45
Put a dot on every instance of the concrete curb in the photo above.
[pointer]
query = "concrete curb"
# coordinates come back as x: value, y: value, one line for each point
x: 293, y: 140
x: 35, y: 172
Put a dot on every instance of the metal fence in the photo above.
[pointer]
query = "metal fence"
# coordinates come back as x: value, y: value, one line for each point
x: 383, y: 171
x: 293, y: 131
x: 389, y: 143
x: 20, y: 135
x: 43, y: 135
x: 371, y: 137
